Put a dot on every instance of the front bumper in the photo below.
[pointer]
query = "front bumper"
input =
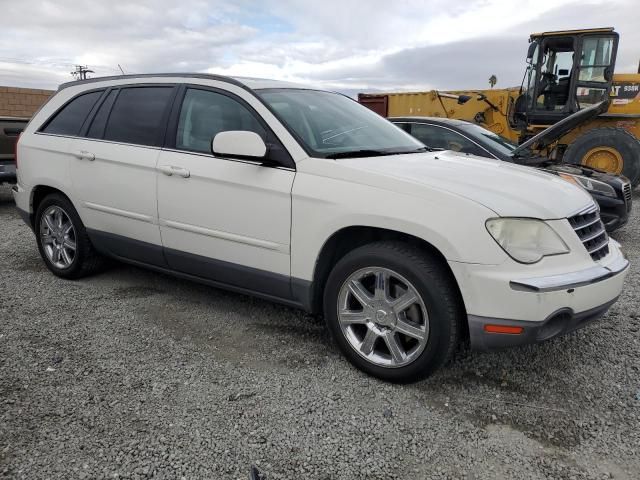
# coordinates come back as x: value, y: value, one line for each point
x: 614, y: 212
x: 537, y: 307
x: 561, y: 322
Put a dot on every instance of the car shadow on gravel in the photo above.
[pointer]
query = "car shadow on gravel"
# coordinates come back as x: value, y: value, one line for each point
x: 230, y: 326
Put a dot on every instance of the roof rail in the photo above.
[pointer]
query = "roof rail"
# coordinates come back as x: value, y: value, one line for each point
x: 206, y: 76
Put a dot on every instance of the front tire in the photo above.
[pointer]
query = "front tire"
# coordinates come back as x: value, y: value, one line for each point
x: 394, y: 310
x: 62, y: 239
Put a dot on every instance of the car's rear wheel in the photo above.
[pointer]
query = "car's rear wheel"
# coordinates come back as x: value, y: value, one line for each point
x: 394, y: 310
x: 62, y: 239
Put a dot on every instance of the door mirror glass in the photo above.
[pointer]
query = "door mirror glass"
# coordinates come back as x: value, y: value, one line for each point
x: 239, y: 144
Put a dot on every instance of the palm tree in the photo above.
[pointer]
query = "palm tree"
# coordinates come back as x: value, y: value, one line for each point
x: 493, y: 80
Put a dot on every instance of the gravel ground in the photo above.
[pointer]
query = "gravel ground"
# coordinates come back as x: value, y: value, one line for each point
x: 133, y: 374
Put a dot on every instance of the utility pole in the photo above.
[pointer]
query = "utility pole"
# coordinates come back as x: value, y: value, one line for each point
x: 80, y: 73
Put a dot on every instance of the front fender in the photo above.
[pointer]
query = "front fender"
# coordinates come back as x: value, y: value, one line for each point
x: 322, y: 206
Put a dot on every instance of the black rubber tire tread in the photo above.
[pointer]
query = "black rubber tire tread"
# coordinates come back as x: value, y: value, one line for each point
x: 437, y: 286
x: 87, y: 260
x: 618, y: 138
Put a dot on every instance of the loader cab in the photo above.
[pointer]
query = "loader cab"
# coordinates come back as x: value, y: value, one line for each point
x: 566, y: 71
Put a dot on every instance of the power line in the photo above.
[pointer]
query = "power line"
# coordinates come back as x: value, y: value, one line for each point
x: 81, y: 71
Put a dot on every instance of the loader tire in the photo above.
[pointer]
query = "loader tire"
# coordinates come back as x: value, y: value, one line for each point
x: 611, y: 149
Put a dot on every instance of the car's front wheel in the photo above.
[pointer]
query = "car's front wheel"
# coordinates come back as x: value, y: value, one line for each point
x: 394, y: 310
x: 62, y: 239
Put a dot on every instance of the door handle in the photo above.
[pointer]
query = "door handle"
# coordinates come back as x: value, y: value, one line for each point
x: 84, y: 155
x: 170, y: 170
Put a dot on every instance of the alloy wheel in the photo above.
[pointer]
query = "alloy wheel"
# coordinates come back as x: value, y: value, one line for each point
x: 58, y: 237
x: 383, y: 317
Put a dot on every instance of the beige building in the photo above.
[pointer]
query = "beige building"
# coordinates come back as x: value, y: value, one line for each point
x: 21, y: 102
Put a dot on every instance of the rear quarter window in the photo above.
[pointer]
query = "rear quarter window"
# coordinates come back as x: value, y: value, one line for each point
x: 69, y: 119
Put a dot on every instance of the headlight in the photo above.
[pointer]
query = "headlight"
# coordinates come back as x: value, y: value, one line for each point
x: 589, y: 184
x: 526, y: 240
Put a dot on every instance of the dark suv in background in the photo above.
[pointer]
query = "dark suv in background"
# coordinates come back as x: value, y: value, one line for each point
x: 612, y: 192
x: 10, y: 129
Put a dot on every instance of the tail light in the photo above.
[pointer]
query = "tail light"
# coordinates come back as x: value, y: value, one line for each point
x: 15, y: 149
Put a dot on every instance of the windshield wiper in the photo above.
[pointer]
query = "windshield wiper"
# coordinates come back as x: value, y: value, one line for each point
x: 374, y: 153
x: 358, y: 153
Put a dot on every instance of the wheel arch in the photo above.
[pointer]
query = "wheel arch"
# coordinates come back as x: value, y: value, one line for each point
x: 348, y: 239
x: 39, y: 193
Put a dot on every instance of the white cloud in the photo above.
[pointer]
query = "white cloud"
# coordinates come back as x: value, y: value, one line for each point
x: 346, y: 44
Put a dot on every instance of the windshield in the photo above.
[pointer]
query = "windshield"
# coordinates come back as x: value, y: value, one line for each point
x: 490, y: 139
x: 330, y: 125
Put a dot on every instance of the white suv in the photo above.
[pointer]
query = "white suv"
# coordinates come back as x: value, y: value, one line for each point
x: 306, y: 197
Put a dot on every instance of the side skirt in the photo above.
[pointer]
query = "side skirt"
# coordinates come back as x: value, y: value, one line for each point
x: 208, y: 271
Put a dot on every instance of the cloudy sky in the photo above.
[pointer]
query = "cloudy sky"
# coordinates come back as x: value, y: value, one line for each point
x: 347, y: 45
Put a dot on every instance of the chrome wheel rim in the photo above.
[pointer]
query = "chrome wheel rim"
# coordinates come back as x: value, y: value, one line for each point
x: 58, y: 237
x: 383, y: 317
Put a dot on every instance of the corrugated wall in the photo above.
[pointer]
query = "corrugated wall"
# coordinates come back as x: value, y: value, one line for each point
x: 21, y: 102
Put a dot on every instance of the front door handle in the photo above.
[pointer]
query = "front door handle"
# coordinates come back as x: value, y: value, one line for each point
x: 170, y: 170
x: 84, y: 155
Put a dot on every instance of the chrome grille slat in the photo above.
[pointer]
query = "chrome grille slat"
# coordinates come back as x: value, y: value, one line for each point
x: 598, y: 246
x: 626, y: 190
x: 591, y: 232
x: 579, y: 227
x: 593, y: 235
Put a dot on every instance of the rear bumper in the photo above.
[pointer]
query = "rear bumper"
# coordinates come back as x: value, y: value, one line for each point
x: 8, y: 172
x: 20, y: 196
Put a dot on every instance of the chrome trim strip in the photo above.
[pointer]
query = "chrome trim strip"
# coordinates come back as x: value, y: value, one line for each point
x: 101, y: 140
x: 232, y: 237
x: 567, y: 281
x: 584, y: 210
x: 120, y: 213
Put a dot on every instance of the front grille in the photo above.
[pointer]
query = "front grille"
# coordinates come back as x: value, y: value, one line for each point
x: 626, y: 190
x: 591, y: 232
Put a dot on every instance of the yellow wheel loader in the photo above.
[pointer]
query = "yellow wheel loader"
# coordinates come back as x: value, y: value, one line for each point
x: 569, y: 81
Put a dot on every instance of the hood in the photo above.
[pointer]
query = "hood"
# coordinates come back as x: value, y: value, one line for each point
x: 557, y: 130
x: 507, y: 189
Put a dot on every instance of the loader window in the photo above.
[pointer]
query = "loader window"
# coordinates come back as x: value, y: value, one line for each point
x: 555, y: 74
x: 595, y: 59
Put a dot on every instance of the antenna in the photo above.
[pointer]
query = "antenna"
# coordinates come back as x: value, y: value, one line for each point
x: 81, y: 72
x: 121, y: 69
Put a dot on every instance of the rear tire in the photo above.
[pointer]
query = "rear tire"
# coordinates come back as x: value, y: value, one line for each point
x: 62, y: 239
x: 620, y: 152
x: 381, y: 335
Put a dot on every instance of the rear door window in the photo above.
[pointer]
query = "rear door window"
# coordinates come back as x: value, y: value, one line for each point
x: 69, y: 120
x: 138, y: 115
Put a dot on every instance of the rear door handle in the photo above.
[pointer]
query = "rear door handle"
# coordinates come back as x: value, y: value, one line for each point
x: 84, y: 155
x: 170, y: 170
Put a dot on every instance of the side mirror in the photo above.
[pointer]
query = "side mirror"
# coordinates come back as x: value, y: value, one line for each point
x: 239, y: 144
x: 532, y: 50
